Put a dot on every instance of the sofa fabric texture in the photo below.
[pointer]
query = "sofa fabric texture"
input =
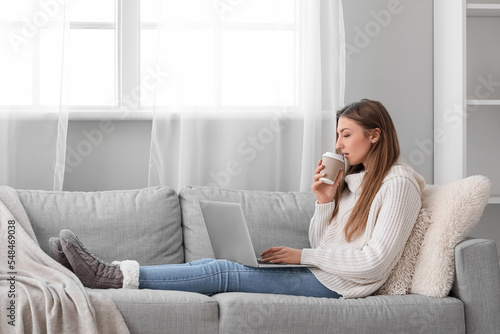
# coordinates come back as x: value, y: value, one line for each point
x: 153, y: 311
x: 273, y: 218
x: 157, y: 226
x: 260, y: 313
x: 477, y: 284
x: 143, y: 225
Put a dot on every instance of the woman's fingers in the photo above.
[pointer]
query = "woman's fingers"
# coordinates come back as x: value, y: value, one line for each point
x: 316, y: 185
x: 270, y: 251
x: 318, y: 176
x: 320, y: 167
x: 270, y: 254
x: 324, y: 192
x: 318, y: 173
x: 282, y: 255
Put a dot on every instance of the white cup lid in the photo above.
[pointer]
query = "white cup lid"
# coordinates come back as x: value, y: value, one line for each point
x: 334, y: 156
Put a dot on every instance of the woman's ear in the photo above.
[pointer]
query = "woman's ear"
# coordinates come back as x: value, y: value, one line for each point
x: 375, y: 135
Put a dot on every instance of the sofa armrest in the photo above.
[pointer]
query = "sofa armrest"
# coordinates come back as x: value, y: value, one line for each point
x: 477, y: 284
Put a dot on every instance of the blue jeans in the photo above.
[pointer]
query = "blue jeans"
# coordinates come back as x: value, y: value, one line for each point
x: 209, y: 276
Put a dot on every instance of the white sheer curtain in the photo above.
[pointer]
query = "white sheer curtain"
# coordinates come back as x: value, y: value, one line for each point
x: 33, y: 104
x: 248, y: 91
x: 243, y: 93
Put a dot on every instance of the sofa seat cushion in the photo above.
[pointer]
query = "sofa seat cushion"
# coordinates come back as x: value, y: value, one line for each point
x: 263, y: 313
x: 142, y: 225
x: 273, y: 218
x: 152, y: 311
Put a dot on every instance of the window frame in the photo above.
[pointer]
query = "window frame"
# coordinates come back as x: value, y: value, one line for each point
x: 127, y: 27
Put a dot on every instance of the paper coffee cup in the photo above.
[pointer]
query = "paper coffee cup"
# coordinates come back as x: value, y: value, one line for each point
x: 333, y: 163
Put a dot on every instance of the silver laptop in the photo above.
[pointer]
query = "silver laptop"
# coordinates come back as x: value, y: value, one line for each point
x: 229, y: 234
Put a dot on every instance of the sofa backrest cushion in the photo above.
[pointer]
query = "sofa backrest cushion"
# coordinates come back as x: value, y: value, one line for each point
x: 142, y: 225
x: 273, y: 218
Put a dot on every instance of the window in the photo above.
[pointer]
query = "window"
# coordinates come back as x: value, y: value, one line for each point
x: 213, y: 55
x: 225, y: 54
x: 31, y: 54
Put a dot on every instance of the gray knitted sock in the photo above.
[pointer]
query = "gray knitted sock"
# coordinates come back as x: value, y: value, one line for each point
x: 57, y: 252
x: 92, y: 272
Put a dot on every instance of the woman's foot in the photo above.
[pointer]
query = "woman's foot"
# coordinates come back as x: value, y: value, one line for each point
x: 92, y: 272
x: 57, y: 252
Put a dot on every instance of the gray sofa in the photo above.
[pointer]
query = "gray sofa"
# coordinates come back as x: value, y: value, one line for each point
x: 158, y: 226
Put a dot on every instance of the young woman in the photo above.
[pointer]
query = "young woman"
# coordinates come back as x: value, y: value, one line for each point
x: 357, y: 234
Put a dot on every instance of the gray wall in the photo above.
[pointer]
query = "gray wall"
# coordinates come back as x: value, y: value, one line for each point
x: 117, y: 161
x: 483, y: 136
x: 388, y: 60
x: 489, y: 225
x: 395, y: 66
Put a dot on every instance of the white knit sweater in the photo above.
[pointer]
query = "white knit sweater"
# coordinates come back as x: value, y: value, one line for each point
x: 359, y: 268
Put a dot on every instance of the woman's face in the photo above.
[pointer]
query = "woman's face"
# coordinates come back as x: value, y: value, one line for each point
x: 353, y: 142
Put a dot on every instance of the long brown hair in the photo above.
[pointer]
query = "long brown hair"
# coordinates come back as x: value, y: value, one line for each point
x: 382, y: 156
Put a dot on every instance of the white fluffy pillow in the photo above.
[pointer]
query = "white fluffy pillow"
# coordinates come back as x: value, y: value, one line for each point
x: 399, y: 281
x: 454, y: 209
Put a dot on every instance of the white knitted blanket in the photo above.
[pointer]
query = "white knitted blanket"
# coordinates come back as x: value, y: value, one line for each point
x: 39, y: 295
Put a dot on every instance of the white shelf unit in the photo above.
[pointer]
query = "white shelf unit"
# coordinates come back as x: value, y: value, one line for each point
x: 483, y: 102
x: 494, y: 200
x: 475, y: 9
x: 457, y: 109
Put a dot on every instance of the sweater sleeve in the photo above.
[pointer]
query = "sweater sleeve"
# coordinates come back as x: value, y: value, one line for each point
x: 399, y: 209
x: 319, y: 222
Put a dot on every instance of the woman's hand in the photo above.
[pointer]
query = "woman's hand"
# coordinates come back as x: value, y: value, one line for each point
x: 325, y: 193
x: 282, y: 255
